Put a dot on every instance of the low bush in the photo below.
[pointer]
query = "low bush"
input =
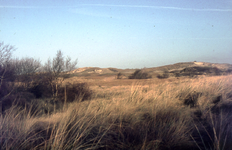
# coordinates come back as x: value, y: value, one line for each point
x: 119, y: 75
x: 164, y: 75
x: 74, y: 92
x: 188, y: 71
x: 40, y: 93
x: 191, y: 99
x: 139, y: 74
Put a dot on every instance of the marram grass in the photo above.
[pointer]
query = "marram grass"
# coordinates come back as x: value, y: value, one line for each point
x: 187, y: 114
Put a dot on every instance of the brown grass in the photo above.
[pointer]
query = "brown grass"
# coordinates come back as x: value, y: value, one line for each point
x: 149, y: 114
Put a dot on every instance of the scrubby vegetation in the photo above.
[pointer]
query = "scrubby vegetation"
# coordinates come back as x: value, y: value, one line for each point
x: 139, y: 74
x: 119, y: 75
x: 43, y: 111
x: 27, y: 84
x: 164, y: 75
x: 199, y: 70
x: 189, y: 114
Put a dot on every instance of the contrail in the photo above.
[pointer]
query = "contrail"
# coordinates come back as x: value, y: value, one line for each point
x: 161, y: 7
x: 125, y: 6
x: 22, y: 7
x: 30, y: 7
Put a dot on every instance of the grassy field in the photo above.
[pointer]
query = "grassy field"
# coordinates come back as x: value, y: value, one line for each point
x: 157, y: 114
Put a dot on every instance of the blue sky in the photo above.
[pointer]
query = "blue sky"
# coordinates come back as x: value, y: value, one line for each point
x: 120, y: 33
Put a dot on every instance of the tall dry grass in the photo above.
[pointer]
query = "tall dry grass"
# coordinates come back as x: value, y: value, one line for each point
x: 185, y: 114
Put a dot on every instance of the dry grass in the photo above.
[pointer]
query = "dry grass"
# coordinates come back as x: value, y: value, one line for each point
x: 182, y: 114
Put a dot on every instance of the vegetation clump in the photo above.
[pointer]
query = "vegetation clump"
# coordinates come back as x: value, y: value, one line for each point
x: 198, y: 70
x: 164, y: 75
x: 27, y: 84
x: 119, y: 75
x: 139, y: 74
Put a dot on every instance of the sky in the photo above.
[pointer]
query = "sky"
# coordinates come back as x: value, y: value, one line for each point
x: 119, y: 33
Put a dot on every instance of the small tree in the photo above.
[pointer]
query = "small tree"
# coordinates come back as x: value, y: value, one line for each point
x: 6, y: 69
x: 59, y: 64
x: 5, y: 53
x: 25, y: 68
x: 69, y: 65
x: 28, y: 65
x: 6, y: 72
x: 55, y: 67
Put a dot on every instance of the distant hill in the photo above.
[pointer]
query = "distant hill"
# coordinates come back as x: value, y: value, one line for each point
x: 178, y: 69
